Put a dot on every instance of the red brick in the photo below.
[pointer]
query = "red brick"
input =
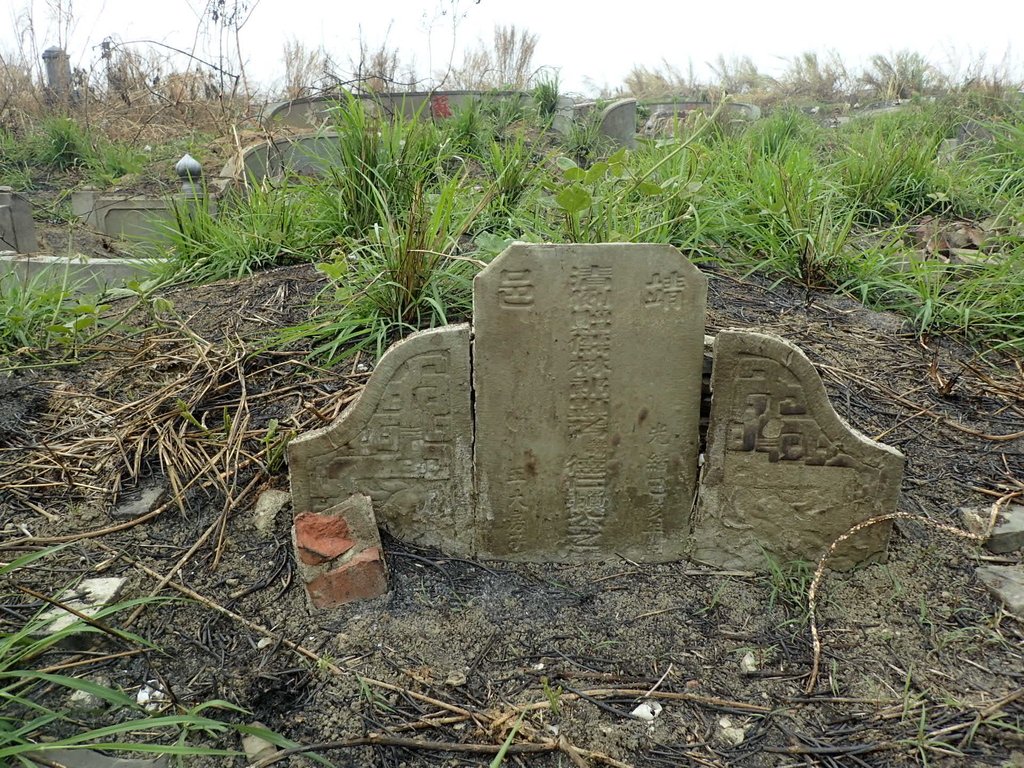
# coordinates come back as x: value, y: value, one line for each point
x: 363, y: 577
x: 321, y: 538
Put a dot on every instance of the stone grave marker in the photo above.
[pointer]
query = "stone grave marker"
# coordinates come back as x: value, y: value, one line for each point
x: 784, y: 474
x: 587, y: 378
x: 406, y: 443
x: 17, y: 228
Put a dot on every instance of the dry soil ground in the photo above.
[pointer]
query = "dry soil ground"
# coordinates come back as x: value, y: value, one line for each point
x: 919, y: 665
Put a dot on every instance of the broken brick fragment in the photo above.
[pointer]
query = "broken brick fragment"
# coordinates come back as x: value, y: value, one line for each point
x: 361, y: 578
x: 339, y: 554
x: 321, y: 538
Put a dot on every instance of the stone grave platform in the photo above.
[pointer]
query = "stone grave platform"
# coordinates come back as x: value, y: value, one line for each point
x: 566, y: 425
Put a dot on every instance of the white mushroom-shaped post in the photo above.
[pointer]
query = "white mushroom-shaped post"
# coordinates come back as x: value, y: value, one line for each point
x: 190, y: 172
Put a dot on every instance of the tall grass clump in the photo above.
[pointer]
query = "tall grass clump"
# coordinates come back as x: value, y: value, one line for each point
x: 900, y: 75
x: 1001, y: 163
x: 271, y: 226
x: 43, y: 312
x: 409, y: 272
x: 797, y: 222
x: 887, y: 167
x: 379, y: 155
x: 546, y: 94
x: 782, y: 131
x: 772, y: 204
x: 983, y: 301
x: 63, y: 145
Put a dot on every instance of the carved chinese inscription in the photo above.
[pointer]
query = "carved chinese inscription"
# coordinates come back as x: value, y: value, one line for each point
x: 587, y: 376
x: 784, y: 475
x: 590, y: 304
x: 406, y: 443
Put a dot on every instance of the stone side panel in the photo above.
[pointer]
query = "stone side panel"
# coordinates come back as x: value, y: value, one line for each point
x: 587, y: 377
x: 406, y: 442
x: 784, y: 475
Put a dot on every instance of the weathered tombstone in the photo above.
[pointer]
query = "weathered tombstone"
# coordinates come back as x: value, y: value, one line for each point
x: 406, y: 443
x: 784, y: 475
x: 58, y: 73
x: 618, y: 122
x: 587, y: 375
x: 17, y: 229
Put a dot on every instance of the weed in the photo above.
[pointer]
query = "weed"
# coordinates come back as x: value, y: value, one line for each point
x: 514, y: 170
x: 789, y: 583
x: 408, y: 274
x: 29, y: 724
x: 553, y: 694
x: 584, y: 142
x: 545, y: 95
x: 61, y: 144
x: 888, y: 171
x: 270, y: 227
x: 44, y: 311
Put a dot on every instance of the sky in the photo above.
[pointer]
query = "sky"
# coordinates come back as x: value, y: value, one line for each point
x: 591, y: 44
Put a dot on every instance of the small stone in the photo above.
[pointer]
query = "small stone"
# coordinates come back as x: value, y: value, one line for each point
x: 1006, y: 582
x: 1008, y: 534
x: 269, y: 503
x: 86, y: 703
x: 151, y: 698
x: 87, y: 598
x: 647, y: 711
x: 138, y: 502
x: 255, y: 746
x: 975, y: 519
x: 748, y: 664
x: 456, y: 678
x: 264, y: 642
x: 733, y: 735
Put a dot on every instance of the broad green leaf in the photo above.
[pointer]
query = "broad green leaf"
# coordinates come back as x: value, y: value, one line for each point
x: 574, y: 199
x: 596, y: 172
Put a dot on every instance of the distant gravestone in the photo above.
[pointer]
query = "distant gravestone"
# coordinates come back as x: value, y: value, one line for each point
x: 784, y: 475
x: 587, y: 378
x: 406, y: 443
x: 17, y: 229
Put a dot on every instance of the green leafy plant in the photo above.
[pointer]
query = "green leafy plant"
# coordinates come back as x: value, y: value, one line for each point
x: 44, y: 311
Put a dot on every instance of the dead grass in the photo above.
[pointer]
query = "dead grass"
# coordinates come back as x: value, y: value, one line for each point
x: 506, y: 64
